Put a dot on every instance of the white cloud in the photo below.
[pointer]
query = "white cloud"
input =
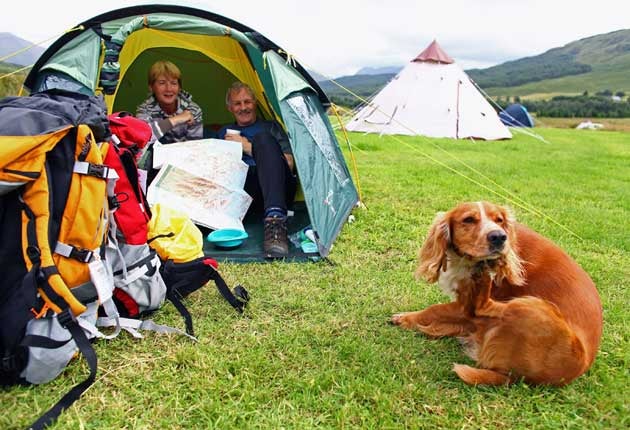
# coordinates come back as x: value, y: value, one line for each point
x: 337, y: 37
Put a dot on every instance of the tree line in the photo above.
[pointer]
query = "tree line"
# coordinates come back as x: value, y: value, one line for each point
x: 600, y: 105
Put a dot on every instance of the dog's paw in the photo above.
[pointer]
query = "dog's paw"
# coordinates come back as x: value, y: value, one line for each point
x: 402, y: 320
x: 395, y: 319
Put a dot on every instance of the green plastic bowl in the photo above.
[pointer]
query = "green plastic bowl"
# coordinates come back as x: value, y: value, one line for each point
x: 227, y: 238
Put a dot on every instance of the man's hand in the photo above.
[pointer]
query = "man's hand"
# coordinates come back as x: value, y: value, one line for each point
x: 182, y: 118
x: 247, y: 147
x: 290, y: 161
x: 246, y: 144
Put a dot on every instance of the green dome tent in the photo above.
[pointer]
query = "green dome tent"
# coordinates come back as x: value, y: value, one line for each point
x: 111, y: 54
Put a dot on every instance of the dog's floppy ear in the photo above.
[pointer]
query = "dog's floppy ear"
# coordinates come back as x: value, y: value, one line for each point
x: 432, y: 257
x: 512, y: 268
x: 510, y: 219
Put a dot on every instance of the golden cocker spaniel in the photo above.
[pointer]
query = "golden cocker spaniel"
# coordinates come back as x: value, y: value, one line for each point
x: 521, y: 306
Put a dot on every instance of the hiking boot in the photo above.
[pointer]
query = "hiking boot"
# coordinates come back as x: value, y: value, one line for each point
x: 276, y: 244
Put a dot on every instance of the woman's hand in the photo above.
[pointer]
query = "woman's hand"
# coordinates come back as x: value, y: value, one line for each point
x: 182, y: 118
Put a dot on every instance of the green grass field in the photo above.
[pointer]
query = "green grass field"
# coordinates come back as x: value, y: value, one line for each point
x: 315, y: 349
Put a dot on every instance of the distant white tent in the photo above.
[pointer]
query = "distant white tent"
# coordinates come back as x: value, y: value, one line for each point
x: 431, y: 96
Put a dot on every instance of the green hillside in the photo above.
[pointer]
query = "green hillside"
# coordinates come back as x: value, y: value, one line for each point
x: 600, y: 79
x: 604, y: 59
x: 10, y: 85
x: 553, y: 64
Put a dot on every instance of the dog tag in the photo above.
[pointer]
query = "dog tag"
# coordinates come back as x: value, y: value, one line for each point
x: 100, y: 279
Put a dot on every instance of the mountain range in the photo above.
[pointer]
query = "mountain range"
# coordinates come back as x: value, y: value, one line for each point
x: 592, y: 64
x: 10, y: 44
x: 379, y: 70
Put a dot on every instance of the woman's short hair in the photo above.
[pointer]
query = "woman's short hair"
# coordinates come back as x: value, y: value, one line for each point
x: 164, y: 68
x: 235, y: 88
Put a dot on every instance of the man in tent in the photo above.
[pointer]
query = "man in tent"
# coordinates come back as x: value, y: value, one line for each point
x: 170, y: 111
x: 270, y: 179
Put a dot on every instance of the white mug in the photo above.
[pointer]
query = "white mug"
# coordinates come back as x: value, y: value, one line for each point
x: 232, y: 132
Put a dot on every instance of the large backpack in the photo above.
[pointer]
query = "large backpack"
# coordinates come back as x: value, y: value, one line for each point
x: 53, y: 220
x: 138, y: 286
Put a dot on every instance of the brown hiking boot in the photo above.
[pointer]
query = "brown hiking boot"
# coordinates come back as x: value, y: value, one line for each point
x: 276, y: 244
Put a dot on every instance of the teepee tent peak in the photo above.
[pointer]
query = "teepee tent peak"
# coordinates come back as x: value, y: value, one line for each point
x: 431, y: 96
x: 434, y: 53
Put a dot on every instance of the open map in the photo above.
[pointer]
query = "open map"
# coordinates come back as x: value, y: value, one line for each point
x: 203, y: 178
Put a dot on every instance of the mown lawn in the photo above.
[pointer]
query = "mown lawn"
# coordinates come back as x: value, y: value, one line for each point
x: 315, y: 349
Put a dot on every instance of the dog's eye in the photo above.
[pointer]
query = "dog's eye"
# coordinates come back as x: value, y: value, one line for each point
x: 499, y: 220
x: 469, y: 220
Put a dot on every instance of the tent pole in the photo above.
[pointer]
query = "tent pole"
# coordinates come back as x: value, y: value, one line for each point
x: 457, y: 111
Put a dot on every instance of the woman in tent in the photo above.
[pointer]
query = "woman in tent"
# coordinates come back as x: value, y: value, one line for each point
x: 170, y: 111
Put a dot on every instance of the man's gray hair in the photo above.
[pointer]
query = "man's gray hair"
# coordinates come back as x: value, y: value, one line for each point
x: 235, y: 88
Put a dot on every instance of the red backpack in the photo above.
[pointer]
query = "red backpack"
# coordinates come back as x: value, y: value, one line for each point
x: 139, y: 288
x: 132, y: 133
x: 129, y: 136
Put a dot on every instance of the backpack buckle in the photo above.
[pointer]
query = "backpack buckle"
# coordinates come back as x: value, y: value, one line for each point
x: 113, y: 203
x: 81, y: 254
x: 66, y: 317
x: 70, y: 251
x: 98, y: 170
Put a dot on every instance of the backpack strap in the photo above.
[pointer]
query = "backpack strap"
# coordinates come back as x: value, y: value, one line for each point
x: 183, y: 278
x: 132, y: 326
x: 239, y: 291
x: 68, y: 321
x: 183, y: 311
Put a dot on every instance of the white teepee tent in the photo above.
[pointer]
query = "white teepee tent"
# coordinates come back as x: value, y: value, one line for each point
x: 431, y: 96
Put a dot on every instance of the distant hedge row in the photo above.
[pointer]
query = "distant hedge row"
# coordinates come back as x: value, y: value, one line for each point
x: 580, y: 106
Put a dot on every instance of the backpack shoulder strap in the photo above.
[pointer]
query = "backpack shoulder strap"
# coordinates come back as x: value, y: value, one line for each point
x: 67, y: 320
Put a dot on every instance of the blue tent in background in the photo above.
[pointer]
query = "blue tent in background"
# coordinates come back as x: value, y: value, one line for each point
x: 516, y: 115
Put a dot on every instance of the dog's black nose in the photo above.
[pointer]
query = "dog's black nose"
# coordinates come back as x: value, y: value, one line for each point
x: 497, y: 238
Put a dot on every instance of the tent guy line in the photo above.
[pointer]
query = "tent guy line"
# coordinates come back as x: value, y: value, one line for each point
x: 433, y: 53
x: 520, y: 129
x: 508, y: 196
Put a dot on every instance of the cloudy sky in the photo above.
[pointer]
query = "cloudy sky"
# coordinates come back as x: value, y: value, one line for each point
x: 338, y: 37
